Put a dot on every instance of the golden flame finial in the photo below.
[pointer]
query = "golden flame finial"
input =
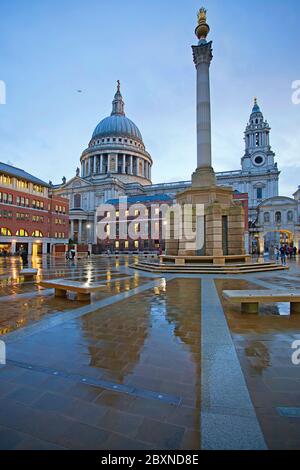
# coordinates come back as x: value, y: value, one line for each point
x: 202, y: 29
x: 202, y: 15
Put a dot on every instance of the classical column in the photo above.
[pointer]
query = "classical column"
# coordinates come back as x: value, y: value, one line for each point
x: 131, y: 164
x: 124, y: 164
x: 13, y: 247
x: 143, y: 168
x: 79, y: 230
x: 44, y: 248
x: 108, y: 163
x: 95, y: 161
x: 29, y: 248
x: 202, y: 55
x: 116, y: 163
x: 72, y: 229
x: 101, y: 164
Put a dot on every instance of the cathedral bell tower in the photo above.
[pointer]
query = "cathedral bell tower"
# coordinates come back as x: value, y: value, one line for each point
x: 258, y: 154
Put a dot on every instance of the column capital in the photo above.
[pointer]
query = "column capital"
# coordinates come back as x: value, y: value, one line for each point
x: 202, y: 53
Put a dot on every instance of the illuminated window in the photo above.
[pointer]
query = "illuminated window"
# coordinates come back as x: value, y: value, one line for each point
x: 5, y: 232
x: 22, y: 233
x: 136, y: 244
x: 127, y: 213
x: 136, y: 228
x: 157, y: 211
x: 136, y: 212
x: 126, y: 244
x: 5, y: 179
x: 37, y: 233
x: 117, y: 244
x: 108, y: 230
x: 117, y: 214
x: 146, y: 211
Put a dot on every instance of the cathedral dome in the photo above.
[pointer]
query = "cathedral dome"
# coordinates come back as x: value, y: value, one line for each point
x: 117, y: 148
x: 117, y: 125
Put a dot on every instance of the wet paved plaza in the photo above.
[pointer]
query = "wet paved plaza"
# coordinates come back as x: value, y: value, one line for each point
x: 152, y: 362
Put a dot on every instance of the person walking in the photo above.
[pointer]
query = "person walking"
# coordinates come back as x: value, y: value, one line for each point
x: 283, y: 255
x: 24, y: 257
x: 294, y: 251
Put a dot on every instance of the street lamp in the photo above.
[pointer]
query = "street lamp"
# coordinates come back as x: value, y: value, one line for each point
x: 88, y: 232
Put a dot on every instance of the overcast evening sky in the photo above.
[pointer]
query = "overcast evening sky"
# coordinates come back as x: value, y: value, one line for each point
x: 49, y: 49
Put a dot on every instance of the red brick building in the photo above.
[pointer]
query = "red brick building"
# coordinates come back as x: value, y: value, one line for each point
x: 30, y: 217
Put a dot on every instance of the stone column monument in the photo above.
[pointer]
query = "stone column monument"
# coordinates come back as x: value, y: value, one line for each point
x: 202, y: 55
x: 224, y: 223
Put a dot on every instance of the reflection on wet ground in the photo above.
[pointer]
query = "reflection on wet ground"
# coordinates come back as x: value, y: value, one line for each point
x: 147, y: 344
x: 124, y: 371
x: 264, y: 346
x: 21, y: 311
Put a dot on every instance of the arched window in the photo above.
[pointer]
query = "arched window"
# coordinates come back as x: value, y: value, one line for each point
x: 37, y: 233
x: 278, y: 217
x: 266, y: 217
x: 22, y: 233
x: 77, y: 201
x: 290, y: 216
x: 5, y: 232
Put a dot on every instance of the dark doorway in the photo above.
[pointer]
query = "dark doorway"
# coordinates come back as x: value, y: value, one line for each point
x: 225, y: 235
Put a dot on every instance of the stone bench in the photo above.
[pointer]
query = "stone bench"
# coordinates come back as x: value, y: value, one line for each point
x: 250, y: 299
x: 28, y: 273
x: 62, y: 286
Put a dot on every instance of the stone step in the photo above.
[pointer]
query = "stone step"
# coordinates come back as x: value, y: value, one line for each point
x: 211, y: 269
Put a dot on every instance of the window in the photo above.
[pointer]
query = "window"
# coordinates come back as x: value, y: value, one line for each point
x: 136, y: 228
x: 77, y: 201
x: 278, y: 217
x: 5, y: 179
x: 22, y: 184
x: 37, y: 233
x: 257, y: 139
x: 117, y: 214
x: 266, y: 217
x: 136, y: 244
x: 117, y: 244
x: 5, y: 232
x: 108, y: 230
x: 290, y: 216
x: 126, y: 244
x: 136, y: 212
x: 156, y: 211
x: 38, y: 188
x: 6, y: 214
x: 22, y: 233
x: 10, y: 199
x: 259, y: 193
